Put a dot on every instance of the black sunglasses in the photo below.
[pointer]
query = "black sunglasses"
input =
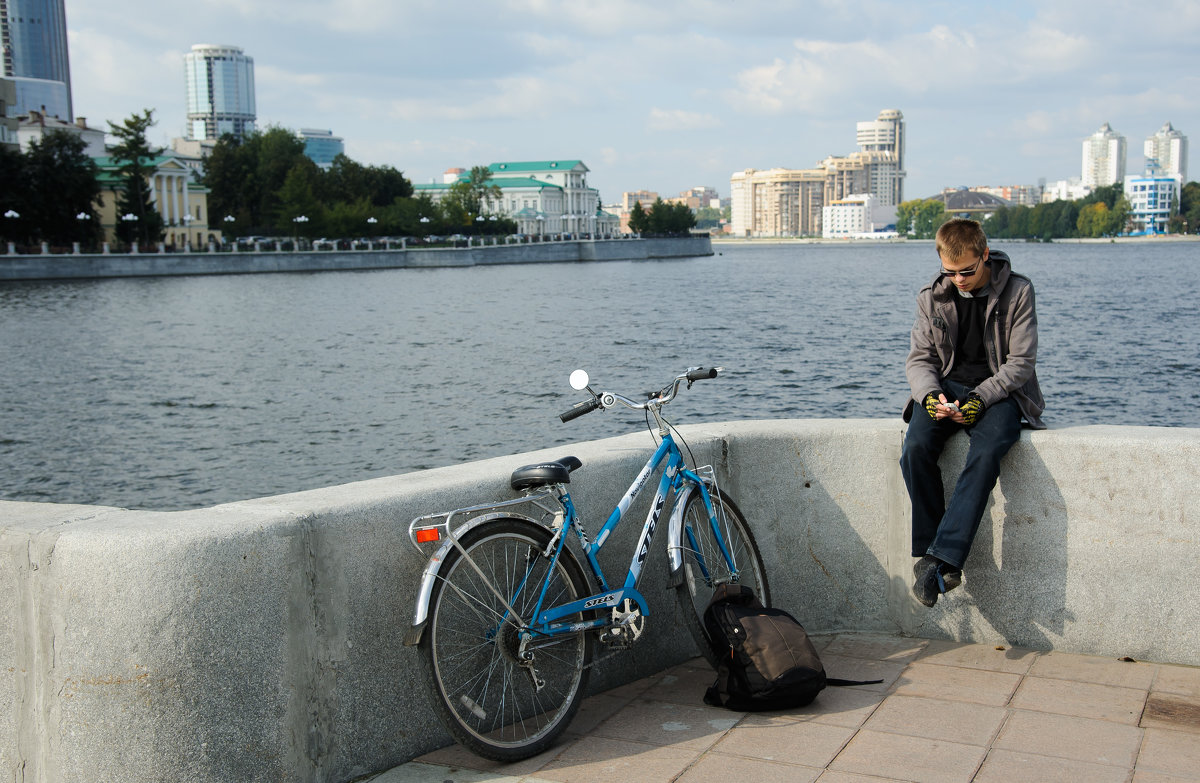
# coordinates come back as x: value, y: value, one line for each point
x: 963, y: 272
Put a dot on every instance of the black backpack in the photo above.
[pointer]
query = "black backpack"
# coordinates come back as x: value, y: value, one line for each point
x: 766, y: 659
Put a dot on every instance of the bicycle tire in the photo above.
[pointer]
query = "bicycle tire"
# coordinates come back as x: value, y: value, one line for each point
x: 695, y: 590
x: 483, y: 697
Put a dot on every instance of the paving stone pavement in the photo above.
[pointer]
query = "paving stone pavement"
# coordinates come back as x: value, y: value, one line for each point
x: 945, y: 712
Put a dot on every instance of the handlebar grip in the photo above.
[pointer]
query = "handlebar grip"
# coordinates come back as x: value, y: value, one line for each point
x: 700, y: 373
x: 580, y: 408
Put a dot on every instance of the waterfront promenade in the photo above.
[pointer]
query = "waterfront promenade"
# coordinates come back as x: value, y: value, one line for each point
x: 262, y: 639
x: 946, y: 712
x: 393, y: 255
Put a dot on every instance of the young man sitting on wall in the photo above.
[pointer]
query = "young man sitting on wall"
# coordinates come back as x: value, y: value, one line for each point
x: 970, y: 368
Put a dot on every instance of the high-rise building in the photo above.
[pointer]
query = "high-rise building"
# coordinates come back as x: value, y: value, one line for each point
x: 777, y: 202
x: 33, y: 34
x: 321, y: 146
x: 220, y: 91
x: 1166, y: 153
x: 885, y: 135
x: 1103, y: 158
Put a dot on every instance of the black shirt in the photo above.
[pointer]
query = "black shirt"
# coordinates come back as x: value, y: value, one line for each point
x: 970, y: 354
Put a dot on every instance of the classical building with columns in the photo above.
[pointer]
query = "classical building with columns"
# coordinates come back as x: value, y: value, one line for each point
x: 182, y: 202
x: 543, y: 197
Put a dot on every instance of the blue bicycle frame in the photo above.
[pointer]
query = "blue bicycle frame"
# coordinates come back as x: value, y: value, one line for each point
x: 674, y: 479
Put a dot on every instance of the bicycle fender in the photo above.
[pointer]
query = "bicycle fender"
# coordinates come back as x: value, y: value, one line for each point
x: 433, y: 567
x: 675, y: 545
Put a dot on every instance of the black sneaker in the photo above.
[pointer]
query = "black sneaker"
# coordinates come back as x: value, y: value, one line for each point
x: 925, y: 586
x: 932, y: 577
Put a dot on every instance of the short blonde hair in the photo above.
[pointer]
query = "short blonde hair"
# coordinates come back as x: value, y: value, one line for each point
x: 959, y: 237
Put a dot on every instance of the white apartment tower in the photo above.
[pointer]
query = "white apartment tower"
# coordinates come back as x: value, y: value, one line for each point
x: 1166, y: 153
x: 885, y: 135
x: 220, y: 92
x: 1103, y: 158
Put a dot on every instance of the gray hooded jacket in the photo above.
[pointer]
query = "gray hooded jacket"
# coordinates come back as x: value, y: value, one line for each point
x: 1010, y: 339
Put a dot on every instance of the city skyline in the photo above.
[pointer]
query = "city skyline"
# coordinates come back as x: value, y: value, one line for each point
x: 668, y: 96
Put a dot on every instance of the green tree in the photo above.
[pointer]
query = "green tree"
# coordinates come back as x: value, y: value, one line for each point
x: 1093, y: 220
x: 1188, y: 219
x: 1119, y: 217
x: 469, y: 198
x: 920, y: 218
x: 664, y: 218
x: 134, y: 157
x: 708, y: 217
x: 639, y: 221
x: 61, y: 183
x: 347, y: 180
x: 14, y: 195
x: 298, y: 211
x: 227, y: 174
x: 245, y: 178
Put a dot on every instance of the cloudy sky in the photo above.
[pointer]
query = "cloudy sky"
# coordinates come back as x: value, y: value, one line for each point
x: 665, y: 95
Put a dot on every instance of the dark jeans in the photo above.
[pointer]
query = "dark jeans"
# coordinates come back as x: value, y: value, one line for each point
x: 946, y: 530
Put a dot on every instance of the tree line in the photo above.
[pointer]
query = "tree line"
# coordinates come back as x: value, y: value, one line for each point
x: 1102, y: 213
x: 268, y: 186
x: 661, y: 219
x: 257, y: 185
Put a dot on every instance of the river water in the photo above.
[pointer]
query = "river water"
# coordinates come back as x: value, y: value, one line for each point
x: 181, y: 392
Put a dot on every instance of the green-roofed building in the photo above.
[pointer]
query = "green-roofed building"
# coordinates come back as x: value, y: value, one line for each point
x: 543, y: 197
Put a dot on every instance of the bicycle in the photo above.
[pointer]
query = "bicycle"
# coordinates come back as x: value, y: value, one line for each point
x: 506, y: 617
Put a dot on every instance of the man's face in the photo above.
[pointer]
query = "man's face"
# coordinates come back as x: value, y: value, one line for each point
x: 967, y: 272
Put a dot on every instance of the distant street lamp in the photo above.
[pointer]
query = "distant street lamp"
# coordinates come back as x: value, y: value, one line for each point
x: 130, y: 218
x: 12, y: 214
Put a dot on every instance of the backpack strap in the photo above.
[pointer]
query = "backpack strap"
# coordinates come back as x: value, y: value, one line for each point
x: 836, y: 681
x: 718, y: 693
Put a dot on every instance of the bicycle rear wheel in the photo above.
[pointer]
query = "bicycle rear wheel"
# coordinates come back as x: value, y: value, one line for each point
x: 705, y: 567
x: 482, y: 693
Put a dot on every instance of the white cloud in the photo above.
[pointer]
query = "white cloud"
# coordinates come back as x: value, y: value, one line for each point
x: 680, y: 120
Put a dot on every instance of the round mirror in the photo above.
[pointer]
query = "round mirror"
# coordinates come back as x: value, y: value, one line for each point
x: 579, y: 380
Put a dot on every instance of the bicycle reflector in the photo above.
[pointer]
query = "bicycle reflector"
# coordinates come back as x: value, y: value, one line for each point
x: 427, y: 534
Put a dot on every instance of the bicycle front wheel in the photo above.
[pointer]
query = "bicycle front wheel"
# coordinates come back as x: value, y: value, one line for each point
x: 495, y: 702
x: 705, y: 566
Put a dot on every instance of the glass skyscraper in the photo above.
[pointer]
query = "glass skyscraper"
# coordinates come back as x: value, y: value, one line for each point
x: 33, y: 34
x: 321, y: 146
x: 220, y: 91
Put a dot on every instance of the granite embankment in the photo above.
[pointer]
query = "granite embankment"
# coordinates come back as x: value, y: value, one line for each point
x: 67, y: 266
x: 263, y: 639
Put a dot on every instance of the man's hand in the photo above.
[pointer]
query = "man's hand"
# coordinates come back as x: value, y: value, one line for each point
x: 972, y: 409
x: 932, y: 403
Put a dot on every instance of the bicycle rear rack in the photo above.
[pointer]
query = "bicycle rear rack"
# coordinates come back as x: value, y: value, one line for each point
x: 432, y: 528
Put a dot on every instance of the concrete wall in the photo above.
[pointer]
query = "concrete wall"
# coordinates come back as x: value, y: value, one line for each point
x: 261, y: 640
x: 43, y: 267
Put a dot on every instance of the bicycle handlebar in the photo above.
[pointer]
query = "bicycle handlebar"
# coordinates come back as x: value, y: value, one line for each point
x: 657, y: 400
x: 579, y: 409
